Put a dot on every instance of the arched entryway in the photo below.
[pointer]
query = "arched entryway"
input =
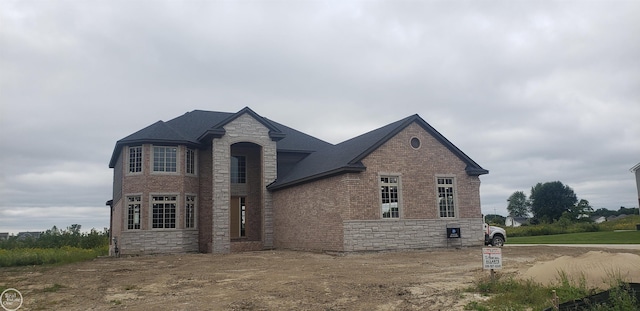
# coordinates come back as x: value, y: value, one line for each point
x: 246, y: 201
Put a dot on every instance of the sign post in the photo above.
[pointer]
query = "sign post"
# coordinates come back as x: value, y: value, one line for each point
x: 453, y: 233
x: 491, y: 259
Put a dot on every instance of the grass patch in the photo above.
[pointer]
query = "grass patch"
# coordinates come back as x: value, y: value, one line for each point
x: 602, y: 237
x: 562, y: 227
x: 508, y: 293
x: 42, y: 256
x: 626, y: 223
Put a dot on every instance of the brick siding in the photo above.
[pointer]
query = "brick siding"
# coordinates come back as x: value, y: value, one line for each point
x: 146, y: 184
x: 309, y: 216
x: 343, y: 212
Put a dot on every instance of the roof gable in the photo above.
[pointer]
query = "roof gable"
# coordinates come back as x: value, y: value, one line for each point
x: 347, y: 156
x: 218, y: 130
x: 198, y: 126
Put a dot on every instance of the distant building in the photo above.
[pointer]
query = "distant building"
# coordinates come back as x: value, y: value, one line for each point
x: 4, y: 236
x: 598, y: 219
x: 28, y: 235
x: 616, y: 217
x: 512, y: 221
x: 636, y: 170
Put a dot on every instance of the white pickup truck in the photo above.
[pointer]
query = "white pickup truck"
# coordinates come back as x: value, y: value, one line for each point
x: 494, y: 236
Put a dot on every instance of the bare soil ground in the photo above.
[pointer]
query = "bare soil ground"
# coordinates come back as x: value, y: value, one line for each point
x: 279, y: 280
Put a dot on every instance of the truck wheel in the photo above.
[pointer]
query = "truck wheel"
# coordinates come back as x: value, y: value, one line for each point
x: 497, y: 241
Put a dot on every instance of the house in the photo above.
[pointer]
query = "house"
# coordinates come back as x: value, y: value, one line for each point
x: 218, y: 182
x: 4, y: 236
x: 512, y: 221
x: 29, y: 235
x: 616, y: 217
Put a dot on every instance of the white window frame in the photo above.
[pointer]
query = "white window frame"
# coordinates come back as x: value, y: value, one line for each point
x: 152, y: 202
x: 191, y: 169
x: 129, y: 158
x: 398, y: 199
x: 164, y: 171
x: 131, y: 204
x: 191, y: 199
x: 238, y: 174
x: 452, y: 199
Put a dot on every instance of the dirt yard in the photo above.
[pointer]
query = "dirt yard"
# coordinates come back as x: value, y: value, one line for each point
x: 287, y: 280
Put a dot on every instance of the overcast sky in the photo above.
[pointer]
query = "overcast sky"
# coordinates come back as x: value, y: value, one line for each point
x: 534, y: 91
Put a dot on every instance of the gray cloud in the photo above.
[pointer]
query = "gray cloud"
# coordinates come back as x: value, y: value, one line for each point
x: 533, y: 91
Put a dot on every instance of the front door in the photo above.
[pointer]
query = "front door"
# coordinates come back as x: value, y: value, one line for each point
x: 237, y: 217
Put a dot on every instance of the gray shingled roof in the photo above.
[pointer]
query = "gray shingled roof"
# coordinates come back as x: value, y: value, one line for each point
x: 346, y: 156
x: 324, y: 159
x: 190, y: 127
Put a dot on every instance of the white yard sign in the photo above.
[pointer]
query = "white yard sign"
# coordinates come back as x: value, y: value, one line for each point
x: 491, y: 258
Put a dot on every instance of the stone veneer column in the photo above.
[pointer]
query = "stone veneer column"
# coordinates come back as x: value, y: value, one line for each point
x: 220, y: 231
x: 243, y: 129
x: 269, y: 169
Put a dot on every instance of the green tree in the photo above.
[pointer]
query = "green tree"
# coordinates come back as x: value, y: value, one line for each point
x: 581, y: 210
x: 518, y: 204
x: 627, y: 211
x: 494, y: 219
x: 550, y: 200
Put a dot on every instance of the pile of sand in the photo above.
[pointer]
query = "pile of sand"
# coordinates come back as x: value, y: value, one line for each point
x: 598, y: 268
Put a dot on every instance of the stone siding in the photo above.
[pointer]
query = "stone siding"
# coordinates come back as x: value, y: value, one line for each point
x: 243, y: 129
x: 157, y: 241
x: 377, y: 235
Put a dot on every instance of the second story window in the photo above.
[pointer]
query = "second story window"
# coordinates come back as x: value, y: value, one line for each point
x: 238, y: 169
x: 135, y: 159
x: 190, y: 161
x: 165, y: 159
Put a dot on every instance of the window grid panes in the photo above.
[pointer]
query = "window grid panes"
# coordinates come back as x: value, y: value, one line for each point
x: 389, y: 195
x: 243, y: 215
x: 164, y: 211
x: 238, y: 170
x: 446, y: 200
x: 190, y: 212
x: 191, y: 161
x: 135, y: 159
x: 164, y: 159
x: 133, y: 212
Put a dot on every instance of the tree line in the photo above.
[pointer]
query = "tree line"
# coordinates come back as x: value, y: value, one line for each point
x: 56, y: 238
x: 553, y: 201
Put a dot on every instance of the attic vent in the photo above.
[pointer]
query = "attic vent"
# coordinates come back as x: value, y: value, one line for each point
x: 415, y: 142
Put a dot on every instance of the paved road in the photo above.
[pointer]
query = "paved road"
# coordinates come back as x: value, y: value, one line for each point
x: 611, y: 246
